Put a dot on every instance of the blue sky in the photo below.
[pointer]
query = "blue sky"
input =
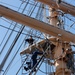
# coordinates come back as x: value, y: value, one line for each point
x: 14, y: 4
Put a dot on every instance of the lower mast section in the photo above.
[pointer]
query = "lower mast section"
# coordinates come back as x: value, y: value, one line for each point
x: 62, y: 50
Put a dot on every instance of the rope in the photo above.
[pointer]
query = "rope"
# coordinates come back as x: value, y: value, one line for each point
x: 21, y: 65
x: 5, y: 36
x: 10, y: 33
x: 14, y: 42
x: 44, y: 72
x: 39, y: 66
x: 39, y: 37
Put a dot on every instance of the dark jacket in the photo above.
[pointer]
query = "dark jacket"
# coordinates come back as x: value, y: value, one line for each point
x: 35, y: 53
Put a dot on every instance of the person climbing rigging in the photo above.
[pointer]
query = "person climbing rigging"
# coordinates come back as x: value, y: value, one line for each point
x: 33, y: 59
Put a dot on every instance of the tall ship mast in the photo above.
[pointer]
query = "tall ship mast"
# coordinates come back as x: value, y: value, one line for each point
x: 51, y: 26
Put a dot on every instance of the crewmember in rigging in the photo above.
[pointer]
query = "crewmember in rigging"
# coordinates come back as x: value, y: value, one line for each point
x: 33, y: 60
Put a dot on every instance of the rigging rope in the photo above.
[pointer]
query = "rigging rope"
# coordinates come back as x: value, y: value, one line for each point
x: 32, y: 11
x: 10, y: 49
x: 5, y: 36
x: 22, y: 27
x: 13, y: 56
x: 39, y: 37
x: 39, y: 66
x: 21, y: 65
x: 10, y: 33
